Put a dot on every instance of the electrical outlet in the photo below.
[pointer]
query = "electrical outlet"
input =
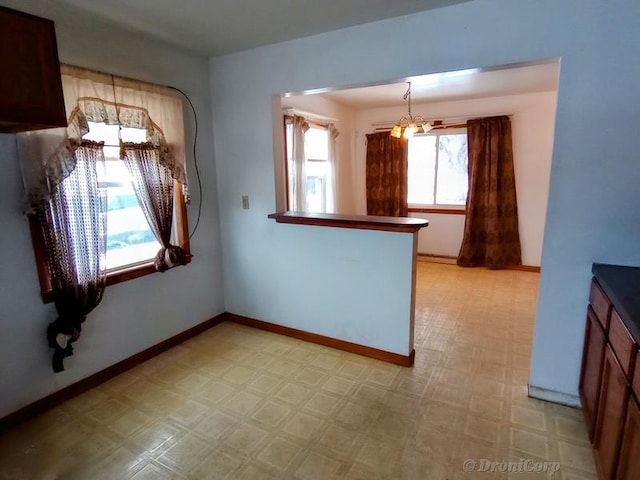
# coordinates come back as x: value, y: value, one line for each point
x: 245, y: 202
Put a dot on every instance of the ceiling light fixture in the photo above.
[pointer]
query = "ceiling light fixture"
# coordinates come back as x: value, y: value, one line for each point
x: 408, y: 125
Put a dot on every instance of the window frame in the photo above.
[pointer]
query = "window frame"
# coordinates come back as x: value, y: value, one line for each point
x: 440, y: 208
x: 117, y: 275
x: 287, y: 119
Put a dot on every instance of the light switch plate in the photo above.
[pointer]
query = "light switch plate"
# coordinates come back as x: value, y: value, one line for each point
x: 245, y: 202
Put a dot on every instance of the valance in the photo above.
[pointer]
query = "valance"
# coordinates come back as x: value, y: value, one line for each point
x: 47, y: 156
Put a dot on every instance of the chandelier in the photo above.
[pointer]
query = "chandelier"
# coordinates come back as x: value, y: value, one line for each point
x: 408, y: 125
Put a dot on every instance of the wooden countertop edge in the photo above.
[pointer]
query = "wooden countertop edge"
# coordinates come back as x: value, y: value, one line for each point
x: 361, y: 222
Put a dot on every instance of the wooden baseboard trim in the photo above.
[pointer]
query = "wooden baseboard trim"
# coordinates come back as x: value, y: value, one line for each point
x: 525, y: 268
x: 81, y: 386
x: 389, y: 357
x: 446, y: 259
x: 424, y: 257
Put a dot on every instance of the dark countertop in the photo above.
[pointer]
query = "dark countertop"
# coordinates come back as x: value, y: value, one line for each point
x: 622, y: 286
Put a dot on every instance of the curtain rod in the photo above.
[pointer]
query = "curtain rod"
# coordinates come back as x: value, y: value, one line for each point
x: 308, y: 115
x: 434, y: 127
x: 454, y: 120
x: 116, y: 77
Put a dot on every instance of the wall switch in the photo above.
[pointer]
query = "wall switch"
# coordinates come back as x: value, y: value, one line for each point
x: 245, y: 202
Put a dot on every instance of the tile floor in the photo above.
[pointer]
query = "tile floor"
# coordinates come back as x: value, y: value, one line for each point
x: 239, y: 403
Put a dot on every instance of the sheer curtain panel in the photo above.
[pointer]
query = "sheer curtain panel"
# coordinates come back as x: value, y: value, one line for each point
x: 299, y: 198
x: 332, y: 180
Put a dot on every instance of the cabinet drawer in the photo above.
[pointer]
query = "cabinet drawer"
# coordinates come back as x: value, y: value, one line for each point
x: 636, y: 378
x: 600, y: 304
x: 622, y: 343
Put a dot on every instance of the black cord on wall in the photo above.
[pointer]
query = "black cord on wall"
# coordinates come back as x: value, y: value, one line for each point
x: 195, y: 160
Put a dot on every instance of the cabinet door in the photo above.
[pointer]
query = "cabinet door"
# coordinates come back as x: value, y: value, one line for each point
x: 30, y: 86
x: 629, y: 464
x: 591, y: 374
x: 612, y: 409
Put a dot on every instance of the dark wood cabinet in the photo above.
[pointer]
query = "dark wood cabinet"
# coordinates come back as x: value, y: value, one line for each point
x: 610, y: 376
x: 629, y: 464
x: 614, y: 396
x: 30, y: 86
x: 591, y: 376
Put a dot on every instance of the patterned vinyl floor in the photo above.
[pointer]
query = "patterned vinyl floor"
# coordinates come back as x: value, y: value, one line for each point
x: 240, y: 403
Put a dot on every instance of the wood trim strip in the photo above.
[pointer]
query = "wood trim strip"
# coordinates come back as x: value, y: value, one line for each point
x: 424, y: 257
x: 440, y: 211
x: 361, y: 222
x: 525, y: 268
x: 40, y: 406
x: 181, y: 221
x: 389, y: 357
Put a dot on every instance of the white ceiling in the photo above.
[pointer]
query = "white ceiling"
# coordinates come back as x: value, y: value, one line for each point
x: 216, y: 27
x: 464, y: 84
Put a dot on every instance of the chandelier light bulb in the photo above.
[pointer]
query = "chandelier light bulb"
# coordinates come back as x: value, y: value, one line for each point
x: 409, y: 125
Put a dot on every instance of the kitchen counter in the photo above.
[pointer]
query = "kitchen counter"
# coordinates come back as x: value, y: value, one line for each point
x: 622, y: 286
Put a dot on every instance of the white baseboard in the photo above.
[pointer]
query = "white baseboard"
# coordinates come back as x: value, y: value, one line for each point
x: 555, y: 397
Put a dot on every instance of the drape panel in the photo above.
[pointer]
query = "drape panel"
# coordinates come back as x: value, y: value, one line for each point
x: 299, y: 197
x: 332, y: 181
x: 153, y: 184
x: 59, y: 174
x: 387, y: 166
x: 491, y: 236
x: 73, y: 223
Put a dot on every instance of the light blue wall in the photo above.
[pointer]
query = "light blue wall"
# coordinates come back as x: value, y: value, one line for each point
x: 136, y: 314
x: 593, y: 212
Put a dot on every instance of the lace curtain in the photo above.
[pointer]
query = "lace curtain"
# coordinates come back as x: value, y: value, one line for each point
x: 153, y: 184
x: 59, y: 173
x: 73, y: 224
x: 47, y: 155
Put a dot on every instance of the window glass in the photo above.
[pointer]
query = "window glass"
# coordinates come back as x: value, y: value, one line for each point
x: 317, y: 188
x: 452, y: 179
x: 437, y: 173
x: 130, y: 240
x: 422, y: 164
x: 316, y: 144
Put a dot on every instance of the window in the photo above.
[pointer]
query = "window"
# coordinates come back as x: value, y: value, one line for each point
x: 130, y: 240
x: 77, y: 200
x: 437, y: 173
x: 317, y: 169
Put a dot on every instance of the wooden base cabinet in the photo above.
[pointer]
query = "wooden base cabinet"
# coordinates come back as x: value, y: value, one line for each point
x: 614, y: 396
x: 591, y: 378
x: 629, y: 463
x: 610, y: 376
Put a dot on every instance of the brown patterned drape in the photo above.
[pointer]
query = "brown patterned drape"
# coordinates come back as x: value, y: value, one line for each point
x: 387, y: 167
x: 491, y: 237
